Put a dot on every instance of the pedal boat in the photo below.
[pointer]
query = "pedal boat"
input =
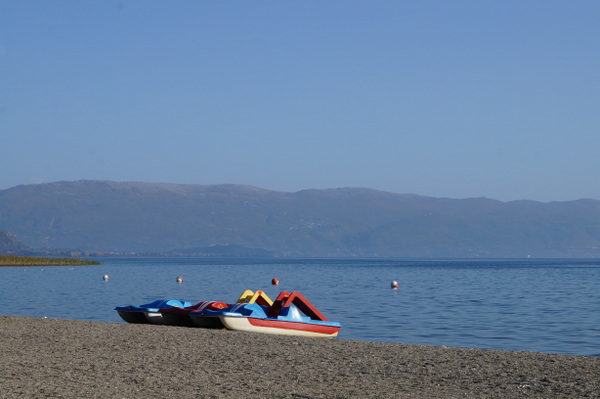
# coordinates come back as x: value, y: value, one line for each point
x: 150, y: 312
x: 206, y: 316
x: 181, y: 316
x: 290, y: 314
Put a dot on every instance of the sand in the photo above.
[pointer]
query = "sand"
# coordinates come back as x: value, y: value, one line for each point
x: 52, y: 358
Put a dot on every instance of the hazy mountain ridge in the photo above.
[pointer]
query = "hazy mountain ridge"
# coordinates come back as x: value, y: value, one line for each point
x: 10, y: 244
x: 159, y: 217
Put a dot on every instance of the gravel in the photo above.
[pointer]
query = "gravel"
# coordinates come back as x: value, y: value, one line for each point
x: 54, y: 358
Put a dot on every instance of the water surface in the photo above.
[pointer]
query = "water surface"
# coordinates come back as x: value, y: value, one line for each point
x: 534, y: 305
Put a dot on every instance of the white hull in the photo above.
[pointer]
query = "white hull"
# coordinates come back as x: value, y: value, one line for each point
x: 243, y: 324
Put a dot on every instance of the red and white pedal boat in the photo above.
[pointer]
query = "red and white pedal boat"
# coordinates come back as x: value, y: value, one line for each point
x: 290, y: 314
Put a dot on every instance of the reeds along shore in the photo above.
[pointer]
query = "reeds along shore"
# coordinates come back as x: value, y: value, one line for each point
x: 82, y: 359
x: 14, y: 260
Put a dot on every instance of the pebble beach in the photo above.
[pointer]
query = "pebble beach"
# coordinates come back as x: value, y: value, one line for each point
x: 56, y: 358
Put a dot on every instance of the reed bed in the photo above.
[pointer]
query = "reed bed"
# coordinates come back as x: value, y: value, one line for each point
x: 13, y: 260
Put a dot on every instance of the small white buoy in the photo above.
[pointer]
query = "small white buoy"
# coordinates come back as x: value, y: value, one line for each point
x: 180, y: 279
x: 275, y: 281
x: 106, y: 277
x: 394, y: 285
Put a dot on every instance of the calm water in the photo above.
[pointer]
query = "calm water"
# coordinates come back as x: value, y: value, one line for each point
x: 534, y: 305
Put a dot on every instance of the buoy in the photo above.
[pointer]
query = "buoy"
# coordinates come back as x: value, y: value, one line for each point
x: 275, y: 281
x: 105, y: 277
x: 394, y: 284
x: 180, y: 279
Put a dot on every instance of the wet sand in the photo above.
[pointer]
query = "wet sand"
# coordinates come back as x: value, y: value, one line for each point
x: 51, y: 358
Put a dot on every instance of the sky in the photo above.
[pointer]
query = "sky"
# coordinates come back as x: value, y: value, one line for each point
x: 458, y: 99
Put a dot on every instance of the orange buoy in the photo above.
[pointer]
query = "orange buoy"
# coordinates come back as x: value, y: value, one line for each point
x: 275, y: 281
x: 180, y: 279
x: 394, y: 285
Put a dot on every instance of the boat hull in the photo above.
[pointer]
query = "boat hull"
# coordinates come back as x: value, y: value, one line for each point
x: 177, y: 319
x: 141, y: 316
x: 155, y: 318
x: 150, y: 312
x: 206, y: 321
x: 279, y: 327
x: 133, y: 316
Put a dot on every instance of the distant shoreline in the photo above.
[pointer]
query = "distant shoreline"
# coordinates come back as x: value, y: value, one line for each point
x: 14, y: 260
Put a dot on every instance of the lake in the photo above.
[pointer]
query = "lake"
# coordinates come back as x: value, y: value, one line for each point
x: 519, y: 305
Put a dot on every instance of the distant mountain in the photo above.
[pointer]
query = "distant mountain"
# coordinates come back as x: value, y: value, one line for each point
x: 10, y: 244
x: 224, y: 220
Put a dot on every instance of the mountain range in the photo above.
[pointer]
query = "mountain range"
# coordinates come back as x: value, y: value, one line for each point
x: 238, y: 220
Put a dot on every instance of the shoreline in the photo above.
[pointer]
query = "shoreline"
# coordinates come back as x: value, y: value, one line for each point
x: 84, y: 359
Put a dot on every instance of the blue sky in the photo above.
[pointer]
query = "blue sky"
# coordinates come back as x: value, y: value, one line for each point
x: 459, y: 99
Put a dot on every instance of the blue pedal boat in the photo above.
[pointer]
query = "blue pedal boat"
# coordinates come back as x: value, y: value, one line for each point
x: 206, y: 317
x: 150, y: 312
x: 180, y: 316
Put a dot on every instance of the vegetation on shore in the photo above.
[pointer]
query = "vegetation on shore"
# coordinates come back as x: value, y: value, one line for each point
x: 12, y: 260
